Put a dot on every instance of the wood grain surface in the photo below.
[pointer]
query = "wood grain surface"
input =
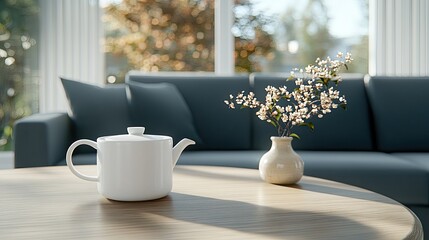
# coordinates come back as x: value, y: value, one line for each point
x: 205, y: 203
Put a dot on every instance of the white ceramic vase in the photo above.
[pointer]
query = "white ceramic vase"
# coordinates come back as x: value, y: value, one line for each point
x: 281, y: 164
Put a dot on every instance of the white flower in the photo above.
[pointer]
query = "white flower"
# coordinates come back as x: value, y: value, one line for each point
x: 283, y: 90
x: 230, y: 104
x: 285, y: 118
x: 348, y: 58
x: 315, y: 95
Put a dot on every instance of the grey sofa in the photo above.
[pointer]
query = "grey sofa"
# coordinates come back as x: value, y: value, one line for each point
x: 381, y: 142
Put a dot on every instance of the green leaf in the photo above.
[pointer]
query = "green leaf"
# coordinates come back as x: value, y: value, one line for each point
x: 343, y: 106
x: 273, y: 123
x: 309, y: 124
x: 294, y: 135
x: 325, y: 81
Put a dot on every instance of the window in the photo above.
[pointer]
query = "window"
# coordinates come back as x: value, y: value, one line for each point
x: 293, y: 33
x: 158, y: 36
x: 269, y: 36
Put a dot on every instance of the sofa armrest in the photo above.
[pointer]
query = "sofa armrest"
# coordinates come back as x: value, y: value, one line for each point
x: 41, y: 139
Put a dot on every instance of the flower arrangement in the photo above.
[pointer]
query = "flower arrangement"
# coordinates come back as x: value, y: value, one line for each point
x: 315, y: 95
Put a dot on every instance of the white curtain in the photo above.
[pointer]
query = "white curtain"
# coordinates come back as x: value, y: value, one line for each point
x: 70, y: 46
x: 399, y: 37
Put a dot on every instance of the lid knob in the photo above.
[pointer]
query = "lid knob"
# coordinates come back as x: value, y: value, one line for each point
x: 137, y: 131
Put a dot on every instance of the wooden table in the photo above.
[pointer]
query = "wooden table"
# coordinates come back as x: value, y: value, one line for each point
x: 206, y: 203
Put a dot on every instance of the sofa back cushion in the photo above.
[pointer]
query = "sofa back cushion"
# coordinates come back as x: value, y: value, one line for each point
x: 400, y: 112
x: 348, y: 129
x: 161, y: 109
x: 96, y: 111
x: 217, y: 126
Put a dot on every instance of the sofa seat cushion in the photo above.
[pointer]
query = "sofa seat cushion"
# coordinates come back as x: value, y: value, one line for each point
x: 421, y: 159
x: 81, y: 159
x: 96, y: 111
x: 161, y: 109
x: 379, y: 172
x: 242, y: 159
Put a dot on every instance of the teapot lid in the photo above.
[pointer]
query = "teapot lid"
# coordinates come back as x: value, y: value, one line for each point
x: 135, y: 134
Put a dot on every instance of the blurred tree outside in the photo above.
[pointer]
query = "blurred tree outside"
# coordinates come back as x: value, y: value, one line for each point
x: 15, y: 41
x: 253, y: 41
x: 177, y: 35
x: 361, y: 48
x: 361, y: 56
x: 304, y: 36
x: 314, y: 35
x: 303, y: 33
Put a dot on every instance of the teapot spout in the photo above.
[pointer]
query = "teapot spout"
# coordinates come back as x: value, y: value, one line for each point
x: 178, y: 149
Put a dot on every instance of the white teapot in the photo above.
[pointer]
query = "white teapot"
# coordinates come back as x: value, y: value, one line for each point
x: 133, y: 167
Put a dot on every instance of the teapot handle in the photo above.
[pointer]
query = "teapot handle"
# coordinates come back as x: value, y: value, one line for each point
x: 70, y: 162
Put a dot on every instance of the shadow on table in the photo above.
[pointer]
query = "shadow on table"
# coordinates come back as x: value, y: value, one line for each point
x: 158, y: 218
x: 340, y: 191
x: 309, y: 184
